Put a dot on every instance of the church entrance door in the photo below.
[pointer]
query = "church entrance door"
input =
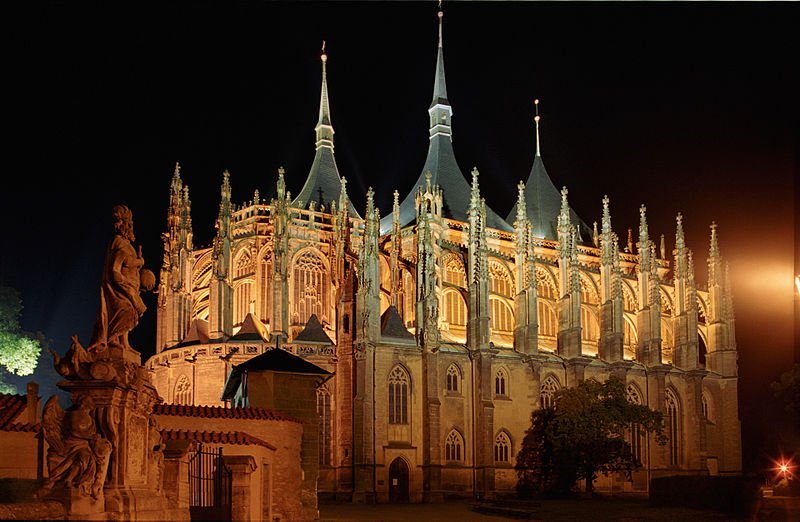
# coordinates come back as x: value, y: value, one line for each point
x: 398, y: 481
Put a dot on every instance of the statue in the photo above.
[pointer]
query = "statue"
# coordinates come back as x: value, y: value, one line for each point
x: 123, y: 278
x: 78, y: 456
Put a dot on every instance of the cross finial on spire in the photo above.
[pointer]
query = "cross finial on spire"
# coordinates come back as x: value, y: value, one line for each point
x: 536, y: 119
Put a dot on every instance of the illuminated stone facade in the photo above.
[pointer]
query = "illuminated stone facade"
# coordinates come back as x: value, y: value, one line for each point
x: 445, y: 324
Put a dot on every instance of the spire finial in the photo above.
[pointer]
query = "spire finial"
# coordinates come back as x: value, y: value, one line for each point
x: 476, y: 194
x: 680, y: 241
x: 536, y: 119
x: 324, y: 129
x: 323, y: 57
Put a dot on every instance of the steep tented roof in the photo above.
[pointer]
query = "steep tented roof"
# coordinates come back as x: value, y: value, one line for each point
x: 313, y: 332
x: 323, y: 184
x: 197, y: 334
x: 543, y: 204
x: 276, y: 360
x: 252, y: 330
x: 392, y: 325
x: 441, y: 162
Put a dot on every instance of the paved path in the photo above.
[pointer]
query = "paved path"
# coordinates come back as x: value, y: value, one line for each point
x: 625, y: 510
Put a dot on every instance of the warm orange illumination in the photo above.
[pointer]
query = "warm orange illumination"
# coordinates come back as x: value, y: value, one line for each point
x: 797, y: 283
x: 784, y: 468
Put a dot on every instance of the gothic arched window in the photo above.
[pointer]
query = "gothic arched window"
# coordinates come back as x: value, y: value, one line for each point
x: 324, y: 412
x: 548, y: 392
x: 501, y: 383
x: 266, y: 270
x: 398, y: 396
x: 183, y: 391
x: 636, y: 434
x: 453, y: 447
x: 455, y: 309
x: 453, y: 379
x: 502, y: 319
x: 673, y: 427
x: 500, y: 281
x: 502, y: 447
x: 311, y: 283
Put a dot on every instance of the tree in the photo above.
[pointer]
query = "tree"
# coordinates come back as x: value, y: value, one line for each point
x: 19, y: 351
x: 582, y: 435
x: 788, y: 389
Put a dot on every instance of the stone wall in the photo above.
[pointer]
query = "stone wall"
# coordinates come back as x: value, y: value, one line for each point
x: 286, y: 474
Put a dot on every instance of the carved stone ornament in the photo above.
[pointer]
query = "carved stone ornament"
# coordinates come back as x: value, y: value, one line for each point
x: 78, y: 456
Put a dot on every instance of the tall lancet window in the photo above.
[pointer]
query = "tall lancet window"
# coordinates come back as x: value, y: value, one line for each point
x: 265, y: 292
x: 398, y: 396
x: 453, y: 447
x: 548, y: 319
x: 453, y: 379
x: 673, y: 427
x: 455, y: 309
x: 501, y: 293
x: 311, y: 284
x: 242, y: 290
x: 324, y: 412
x: 501, y: 383
x: 548, y: 391
x: 502, y: 447
x: 183, y: 391
x: 636, y: 435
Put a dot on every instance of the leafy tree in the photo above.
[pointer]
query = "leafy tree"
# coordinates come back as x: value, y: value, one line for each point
x: 788, y: 389
x: 582, y: 435
x: 19, y: 351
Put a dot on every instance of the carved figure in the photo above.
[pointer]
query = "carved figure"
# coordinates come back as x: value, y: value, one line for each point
x: 78, y: 456
x: 75, y: 363
x: 123, y: 278
x: 156, y: 452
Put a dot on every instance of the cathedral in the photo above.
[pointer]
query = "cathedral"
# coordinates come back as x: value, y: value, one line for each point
x: 446, y: 323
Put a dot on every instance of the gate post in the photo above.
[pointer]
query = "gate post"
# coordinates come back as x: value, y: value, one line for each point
x: 242, y: 467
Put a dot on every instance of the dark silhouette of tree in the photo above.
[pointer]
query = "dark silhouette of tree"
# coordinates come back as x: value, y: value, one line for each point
x: 583, y: 434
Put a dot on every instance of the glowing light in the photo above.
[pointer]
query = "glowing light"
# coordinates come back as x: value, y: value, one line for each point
x: 797, y: 283
x: 784, y: 468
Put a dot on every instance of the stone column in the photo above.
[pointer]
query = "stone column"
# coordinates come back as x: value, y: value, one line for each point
x: 242, y: 467
x: 176, y: 473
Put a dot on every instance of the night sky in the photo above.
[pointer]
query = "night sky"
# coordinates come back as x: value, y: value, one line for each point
x: 688, y: 107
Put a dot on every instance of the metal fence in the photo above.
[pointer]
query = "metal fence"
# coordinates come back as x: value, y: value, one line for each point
x: 209, y: 485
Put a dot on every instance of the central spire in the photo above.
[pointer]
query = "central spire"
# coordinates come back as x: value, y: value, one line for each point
x: 441, y: 161
x: 324, y: 129
x: 323, y: 184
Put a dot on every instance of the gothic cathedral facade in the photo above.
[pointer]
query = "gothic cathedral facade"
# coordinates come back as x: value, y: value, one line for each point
x: 445, y: 324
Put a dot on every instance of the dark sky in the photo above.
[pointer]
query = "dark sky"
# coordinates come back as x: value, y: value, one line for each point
x: 688, y: 107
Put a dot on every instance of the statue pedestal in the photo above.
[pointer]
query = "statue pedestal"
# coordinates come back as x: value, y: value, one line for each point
x: 123, y: 404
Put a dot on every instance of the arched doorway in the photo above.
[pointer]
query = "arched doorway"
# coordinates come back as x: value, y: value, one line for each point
x: 398, y: 481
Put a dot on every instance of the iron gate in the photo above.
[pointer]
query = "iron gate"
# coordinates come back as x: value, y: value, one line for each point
x: 209, y: 485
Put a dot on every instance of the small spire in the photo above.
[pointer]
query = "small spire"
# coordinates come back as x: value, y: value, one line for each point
x: 663, y: 248
x: 536, y: 119
x: 440, y: 86
x: 343, y: 194
x: 595, y: 236
x: 606, y: 227
x: 370, y: 201
x: 521, y: 206
x: 281, y: 183
x: 643, y: 234
x: 475, y: 195
x: 629, y: 248
x: 714, y: 249
x: 680, y: 240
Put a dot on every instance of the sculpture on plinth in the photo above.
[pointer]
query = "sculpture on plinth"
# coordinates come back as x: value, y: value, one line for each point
x: 78, y: 455
x: 105, y: 452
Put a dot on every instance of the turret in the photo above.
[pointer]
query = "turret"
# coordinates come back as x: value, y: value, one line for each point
x: 684, y: 314
x: 721, y: 357
x: 368, y: 303
x: 220, y: 305
x: 279, y: 324
x: 611, y: 303
x: 175, y: 292
x: 477, y: 271
x: 526, y: 318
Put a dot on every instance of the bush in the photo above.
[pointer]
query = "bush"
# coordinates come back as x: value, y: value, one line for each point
x: 735, y: 494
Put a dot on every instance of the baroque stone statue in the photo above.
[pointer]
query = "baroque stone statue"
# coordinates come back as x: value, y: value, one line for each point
x: 123, y: 279
x: 78, y: 455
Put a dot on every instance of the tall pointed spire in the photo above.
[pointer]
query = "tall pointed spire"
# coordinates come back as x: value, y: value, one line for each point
x: 323, y: 184
x: 324, y: 129
x: 439, y: 84
x: 441, y: 161
x: 536, y: 119
x: 542, y: 197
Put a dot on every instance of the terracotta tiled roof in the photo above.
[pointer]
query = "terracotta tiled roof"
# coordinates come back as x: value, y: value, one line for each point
x: 11, y: 406
x: 22, y: 426
x: 216, y: 437
x: 217, y: 412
